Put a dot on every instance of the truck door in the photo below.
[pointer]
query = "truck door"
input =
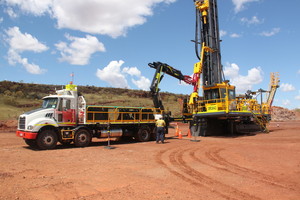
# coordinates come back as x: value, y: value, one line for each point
x: 66, y: 112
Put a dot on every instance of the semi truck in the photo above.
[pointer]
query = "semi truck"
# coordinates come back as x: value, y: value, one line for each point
x: 65, y: 117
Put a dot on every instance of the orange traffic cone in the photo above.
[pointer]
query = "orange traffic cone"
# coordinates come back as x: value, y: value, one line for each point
x: 189, y: 134
x: 180, y: 135
x: 176, y: 130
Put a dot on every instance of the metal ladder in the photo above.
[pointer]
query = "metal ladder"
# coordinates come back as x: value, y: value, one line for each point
x: 261, y: 121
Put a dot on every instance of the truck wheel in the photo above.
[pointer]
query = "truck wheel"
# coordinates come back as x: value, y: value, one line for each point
x: 31, y: 143
x: 82, y: 138
x: 47, y: 139
x: 143, y: 134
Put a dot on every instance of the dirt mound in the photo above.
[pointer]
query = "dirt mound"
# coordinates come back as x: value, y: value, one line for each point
x: 282, y: 114
x: 8, y: 125
x: 297, y: 112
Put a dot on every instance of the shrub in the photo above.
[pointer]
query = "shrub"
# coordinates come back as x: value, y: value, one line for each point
x: 9, y: 100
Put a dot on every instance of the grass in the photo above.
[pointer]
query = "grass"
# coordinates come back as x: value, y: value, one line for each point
x: 12, y: 109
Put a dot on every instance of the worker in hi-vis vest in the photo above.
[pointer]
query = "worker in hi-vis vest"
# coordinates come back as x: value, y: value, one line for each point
x: 160, y: 130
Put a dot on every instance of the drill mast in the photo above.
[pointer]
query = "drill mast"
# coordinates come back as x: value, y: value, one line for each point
x: 207, y: 39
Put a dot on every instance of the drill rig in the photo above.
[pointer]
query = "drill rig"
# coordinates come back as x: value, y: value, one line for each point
x: 218, y: 110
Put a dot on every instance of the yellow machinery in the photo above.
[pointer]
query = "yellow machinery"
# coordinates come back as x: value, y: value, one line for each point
x: 218, y: 110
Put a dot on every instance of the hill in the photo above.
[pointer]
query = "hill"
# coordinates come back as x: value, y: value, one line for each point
x: 16, y: 97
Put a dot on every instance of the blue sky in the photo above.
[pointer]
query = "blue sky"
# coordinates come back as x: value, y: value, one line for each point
x: 109, y: 43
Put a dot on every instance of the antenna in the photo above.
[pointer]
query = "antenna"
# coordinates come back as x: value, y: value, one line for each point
x: 72, y: 75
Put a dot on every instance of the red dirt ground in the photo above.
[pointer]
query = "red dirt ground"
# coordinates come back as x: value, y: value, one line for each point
x: 257, y: 166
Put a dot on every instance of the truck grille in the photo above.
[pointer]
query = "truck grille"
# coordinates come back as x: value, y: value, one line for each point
x: 22, y: 121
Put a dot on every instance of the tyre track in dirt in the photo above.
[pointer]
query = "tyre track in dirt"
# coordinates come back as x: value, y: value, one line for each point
x: 160, y: 161
x: 213, y: 154
x: 210, y: 181
x: 172, y: 164
x: 178, y: 166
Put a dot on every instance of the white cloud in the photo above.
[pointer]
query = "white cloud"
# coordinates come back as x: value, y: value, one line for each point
x: 286, y: 87
x: 143, y: 83
x: 11, y: 13
x: 231, y: 70
x: 24, y: 42
x: 243, y: 83
x: 222, y: 33
x: 36, y: 7
x: 79, y: 51
x: 133, y: 71
x: 108, y: 17
x: 18, y: 43
x: 1, y: 20
x: 298, y: 97
x: 113, y: 75
x: 286, y: 102
x: 235, y: 35
x: 274, y: 31
x: 254, y: 20
x: 239, y: 5
x: 299, y: 71
x: 32, y: 68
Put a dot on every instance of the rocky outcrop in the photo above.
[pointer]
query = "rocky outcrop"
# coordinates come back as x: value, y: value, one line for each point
x: 283, y: 114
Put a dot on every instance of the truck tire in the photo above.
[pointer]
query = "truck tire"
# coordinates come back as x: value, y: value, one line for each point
x: 82, y: 138
x: 31, y: 143
x: 47, y: 139
x: 143, y: 134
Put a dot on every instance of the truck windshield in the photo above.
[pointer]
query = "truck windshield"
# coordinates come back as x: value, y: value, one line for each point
x: 50, y: 103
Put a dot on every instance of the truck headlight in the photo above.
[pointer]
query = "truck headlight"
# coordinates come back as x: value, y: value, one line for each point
x: 29, y: 127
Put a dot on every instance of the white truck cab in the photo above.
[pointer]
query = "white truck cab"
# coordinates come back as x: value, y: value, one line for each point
x: 58, y: 110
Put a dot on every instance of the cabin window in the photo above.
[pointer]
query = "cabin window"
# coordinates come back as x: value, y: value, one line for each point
x: 231, y: 94
x: 50, y: 103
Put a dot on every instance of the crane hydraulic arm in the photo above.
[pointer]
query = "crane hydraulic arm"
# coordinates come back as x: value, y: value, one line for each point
x: 161, y: 70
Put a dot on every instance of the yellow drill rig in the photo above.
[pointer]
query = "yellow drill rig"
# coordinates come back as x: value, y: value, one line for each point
x: 219, y: 110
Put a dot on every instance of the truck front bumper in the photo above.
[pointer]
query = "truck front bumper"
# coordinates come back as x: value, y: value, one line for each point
x: 26, y: 135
